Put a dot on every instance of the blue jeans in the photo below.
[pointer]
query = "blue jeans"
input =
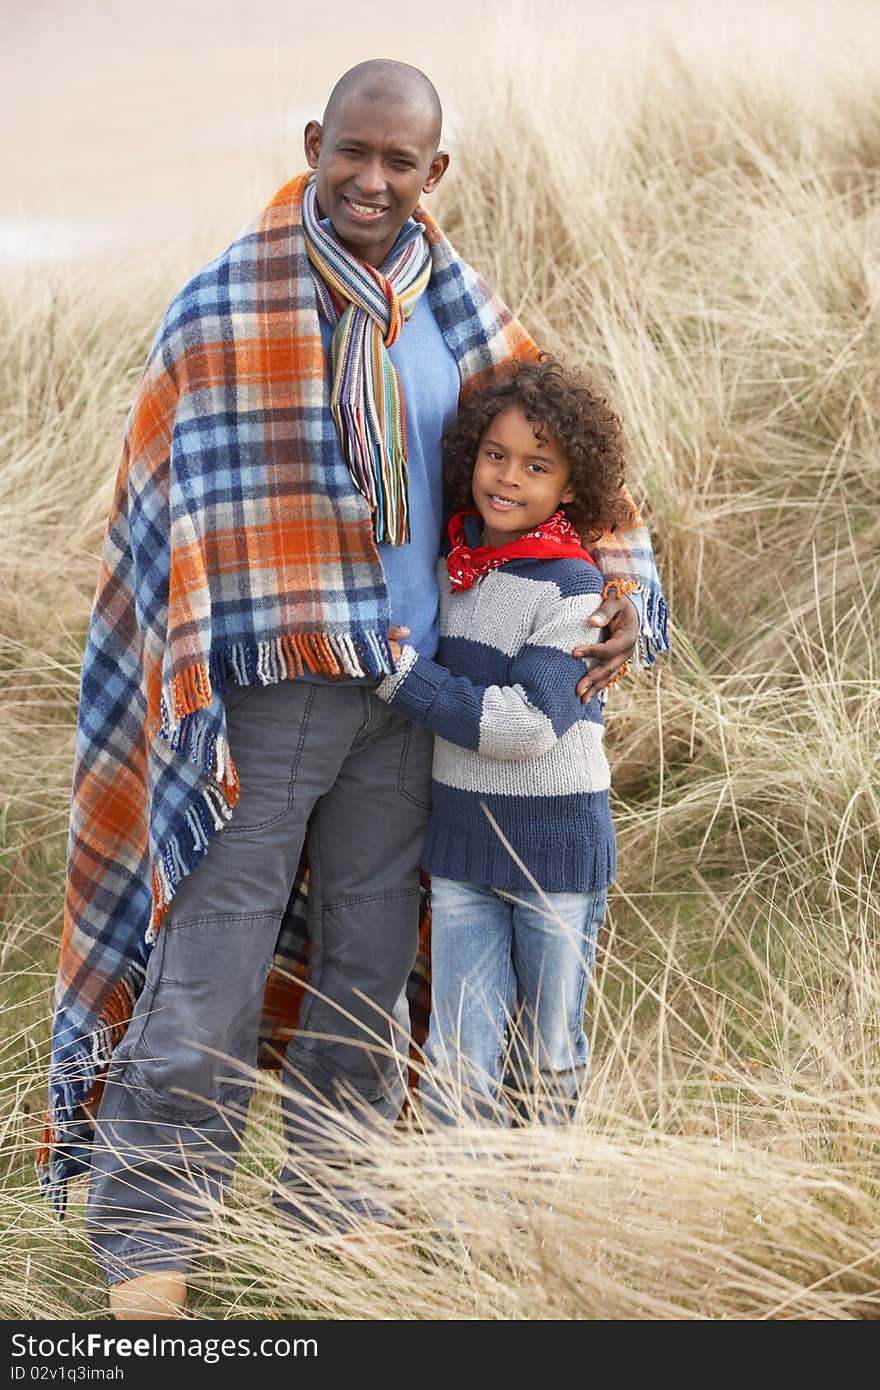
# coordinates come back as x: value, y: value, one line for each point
x: 509, y: 980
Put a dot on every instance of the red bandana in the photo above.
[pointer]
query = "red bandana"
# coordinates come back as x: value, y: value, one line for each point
x: 554, y: 539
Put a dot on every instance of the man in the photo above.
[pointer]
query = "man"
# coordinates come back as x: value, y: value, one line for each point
x: 279, y: 504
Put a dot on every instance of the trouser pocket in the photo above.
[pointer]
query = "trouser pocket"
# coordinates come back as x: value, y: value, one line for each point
x: 414, y: 771
x: 267, y: 727
x: 199, y: 1032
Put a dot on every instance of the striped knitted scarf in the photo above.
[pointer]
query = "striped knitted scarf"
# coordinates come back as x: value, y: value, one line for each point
x: 237, y: 550
x: 368, y: 309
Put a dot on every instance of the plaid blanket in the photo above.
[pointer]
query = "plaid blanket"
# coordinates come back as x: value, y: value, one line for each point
x: 237, y: 550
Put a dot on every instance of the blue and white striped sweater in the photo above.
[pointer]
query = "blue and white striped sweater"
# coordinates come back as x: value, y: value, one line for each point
x: 511, y: 732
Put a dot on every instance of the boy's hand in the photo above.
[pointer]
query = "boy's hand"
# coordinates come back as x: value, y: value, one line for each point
x: 395, y: 637
x: 621, y: 616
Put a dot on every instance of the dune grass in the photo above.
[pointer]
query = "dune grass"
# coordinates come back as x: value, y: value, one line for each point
x: 714, y: 253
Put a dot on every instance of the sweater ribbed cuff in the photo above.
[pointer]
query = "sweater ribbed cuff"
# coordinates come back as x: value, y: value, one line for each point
x: 387, y: 687
x: 415, y: 684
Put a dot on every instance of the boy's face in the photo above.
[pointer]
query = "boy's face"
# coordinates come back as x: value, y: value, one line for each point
x: 373, y: 160
x: 521, y: 476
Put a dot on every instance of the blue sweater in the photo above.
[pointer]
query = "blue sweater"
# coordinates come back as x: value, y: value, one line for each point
x: 511, y: 732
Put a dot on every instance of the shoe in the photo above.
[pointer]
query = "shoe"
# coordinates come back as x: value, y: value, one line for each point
x: 160, y: 1296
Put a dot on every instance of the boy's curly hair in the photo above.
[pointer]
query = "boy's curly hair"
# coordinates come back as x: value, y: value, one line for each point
x: 583, y: 424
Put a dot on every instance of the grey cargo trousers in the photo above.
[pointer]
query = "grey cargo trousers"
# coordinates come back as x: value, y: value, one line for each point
x: 335, y: 761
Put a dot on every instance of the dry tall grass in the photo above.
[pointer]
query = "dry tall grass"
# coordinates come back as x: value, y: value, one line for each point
x: 715, y: 252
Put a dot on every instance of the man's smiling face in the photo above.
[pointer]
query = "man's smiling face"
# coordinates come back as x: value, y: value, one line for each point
x: 373, y: 158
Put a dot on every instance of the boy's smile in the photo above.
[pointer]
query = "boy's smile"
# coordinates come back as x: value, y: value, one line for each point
x: 521, y: 476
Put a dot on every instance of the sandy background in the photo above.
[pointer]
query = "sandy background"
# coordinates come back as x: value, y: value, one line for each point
x: 127, y: 123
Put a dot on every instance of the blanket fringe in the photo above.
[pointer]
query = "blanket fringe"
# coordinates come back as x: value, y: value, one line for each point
x: 654, y: 637
x: 198, y: 739
x: 185, y: 847
x: 197, y: 736
x: 350, y: 654
x: 67, y: 1135
x: 621, y: 587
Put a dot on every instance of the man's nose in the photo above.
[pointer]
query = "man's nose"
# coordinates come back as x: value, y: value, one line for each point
x: 370, y: 180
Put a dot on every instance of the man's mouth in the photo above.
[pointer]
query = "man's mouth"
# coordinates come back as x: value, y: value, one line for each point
x: 366, y: 212
x: 506, y: 504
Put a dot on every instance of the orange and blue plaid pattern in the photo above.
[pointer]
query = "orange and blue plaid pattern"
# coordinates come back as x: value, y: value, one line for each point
x: 237, y: 550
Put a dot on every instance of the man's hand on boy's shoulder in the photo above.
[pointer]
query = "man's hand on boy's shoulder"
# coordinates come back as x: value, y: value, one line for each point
x: 621, y: 617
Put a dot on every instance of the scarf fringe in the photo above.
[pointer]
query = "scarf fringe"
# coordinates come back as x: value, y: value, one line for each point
x: 378, y: 466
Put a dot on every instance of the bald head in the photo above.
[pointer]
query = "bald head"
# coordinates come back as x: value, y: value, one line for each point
x: 375, y: 153
x: 383, y: 79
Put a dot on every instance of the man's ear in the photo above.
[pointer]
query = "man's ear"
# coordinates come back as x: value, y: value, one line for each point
x: 439, y: 165
x: 312, y: 143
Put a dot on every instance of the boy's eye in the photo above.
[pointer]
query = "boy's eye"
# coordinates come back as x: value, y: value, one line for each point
x: 494, y: 453
x: 538, y: 468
